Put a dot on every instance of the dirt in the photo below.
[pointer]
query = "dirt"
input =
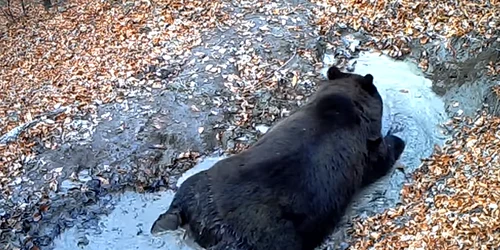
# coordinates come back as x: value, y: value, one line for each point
x: 458, y: 71
x: 147, y: 141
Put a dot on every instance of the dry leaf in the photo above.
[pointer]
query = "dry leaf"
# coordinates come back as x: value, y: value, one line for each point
x: 157, y: 85
x: 194, y: 108
x: 294, y: 80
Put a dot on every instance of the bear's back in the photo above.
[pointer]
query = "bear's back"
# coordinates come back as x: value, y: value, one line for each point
x: 295, y: 163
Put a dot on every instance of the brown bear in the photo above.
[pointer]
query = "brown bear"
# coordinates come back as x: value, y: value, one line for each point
x: 289, y: 190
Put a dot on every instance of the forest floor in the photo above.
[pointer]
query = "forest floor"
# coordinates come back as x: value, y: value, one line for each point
x: 98, y: 96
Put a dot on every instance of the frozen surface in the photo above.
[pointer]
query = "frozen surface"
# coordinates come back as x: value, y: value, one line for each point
x: 411, y: 108
x: 127, y: 227
x: 409, y: 105
x: 203, y: 165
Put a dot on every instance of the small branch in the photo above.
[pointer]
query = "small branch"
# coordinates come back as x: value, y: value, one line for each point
x: 52, y: 113
x: 190, y: 73
x: 281, y: 67
x: 23, y: 5
x: 14, y: 134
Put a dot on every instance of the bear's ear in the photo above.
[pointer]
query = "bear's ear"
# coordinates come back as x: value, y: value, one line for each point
x: 339, y: 109
x: 374, y: 143
x: 368, y: 78
x: 367, y: 84
x: 334, y: 73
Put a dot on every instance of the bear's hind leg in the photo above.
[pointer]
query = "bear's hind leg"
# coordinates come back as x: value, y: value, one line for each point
x: 182, y: 206
x: 223, y: 245
x: 168, y: 221
x: 175, y: 216
x: 261, y: 227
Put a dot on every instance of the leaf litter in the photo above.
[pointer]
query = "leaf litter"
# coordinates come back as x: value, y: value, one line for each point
x: 97, y: 52
x: 394, y: 24
x: 87, y: 55
x: 452, y: 201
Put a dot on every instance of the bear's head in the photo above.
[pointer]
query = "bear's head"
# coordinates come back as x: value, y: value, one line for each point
x: 363, y: 84
x: 344, y: 94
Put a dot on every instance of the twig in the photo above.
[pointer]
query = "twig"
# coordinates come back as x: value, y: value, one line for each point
x: 23, y: 5
x: 52, y: 113
x: 189, y: 74
x: 277, y: 36
x: 158, y: 146
x: 281, y: 67
x: 219, y: 27
x: 14, y: 134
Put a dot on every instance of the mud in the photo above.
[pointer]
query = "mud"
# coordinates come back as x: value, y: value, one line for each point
x: 136, y: 145
x: 145, y: 143
x: 457, y: 69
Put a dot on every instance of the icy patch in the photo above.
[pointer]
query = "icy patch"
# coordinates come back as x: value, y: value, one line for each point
x: 127, y: 227
x: 262, y: 128
x: 409, y: 105
x: 203, y: 165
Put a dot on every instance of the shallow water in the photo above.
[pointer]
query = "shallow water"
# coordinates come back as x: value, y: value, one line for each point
x: 409, y: 104
x: 410, y: 107
x: 202, y: 165
x: 127, y: 227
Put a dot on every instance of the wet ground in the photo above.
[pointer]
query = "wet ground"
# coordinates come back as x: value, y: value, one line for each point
x: 146, y: 142
x: 412, y: 109
x: 127, y: 227
x: 410, y: 106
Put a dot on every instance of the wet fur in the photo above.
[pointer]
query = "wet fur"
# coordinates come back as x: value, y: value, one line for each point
x: 291, y: 188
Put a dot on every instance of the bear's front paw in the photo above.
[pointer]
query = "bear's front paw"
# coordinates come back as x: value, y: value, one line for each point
x: 395, y: 128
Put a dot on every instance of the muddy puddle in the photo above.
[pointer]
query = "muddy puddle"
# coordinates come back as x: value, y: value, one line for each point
x: 410, y: 107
